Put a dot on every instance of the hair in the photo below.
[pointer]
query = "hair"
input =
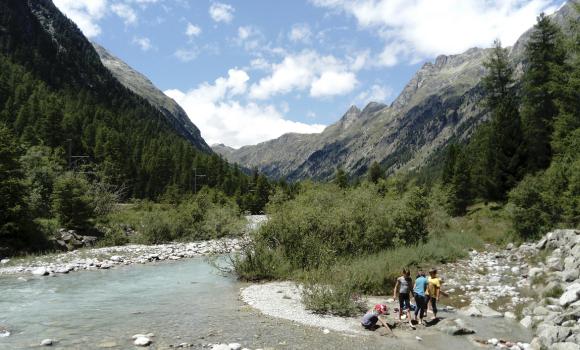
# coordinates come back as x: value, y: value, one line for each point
x: 421, y: 274
x: 406, y: 272
x: 433, y: 271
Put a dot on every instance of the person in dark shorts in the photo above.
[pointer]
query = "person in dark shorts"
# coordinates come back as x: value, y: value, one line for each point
x: 370, y: 319
x: 403, y: 289
x: 420, y: 297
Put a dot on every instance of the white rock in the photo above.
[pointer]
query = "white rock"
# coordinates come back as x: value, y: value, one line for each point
x: 139, y: 336
x: 493, y: 341
x: 4, y: 261
x: 235, y: 346
x: 326, y: 331
x: 142, y: 341
x: 220, y: 347
x: 418, y: 338
x: 526, y: 322
x: 509, y: 315
x: 571, y: 295
x: 47, y: 342
x: 40, y: 271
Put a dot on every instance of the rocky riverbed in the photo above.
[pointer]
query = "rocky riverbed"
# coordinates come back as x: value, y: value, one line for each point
x: 110, y: 257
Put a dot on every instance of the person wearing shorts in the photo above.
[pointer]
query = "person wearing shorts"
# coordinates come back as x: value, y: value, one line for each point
x: 402, y: 289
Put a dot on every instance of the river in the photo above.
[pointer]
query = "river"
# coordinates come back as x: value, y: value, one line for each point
x: 183, y: 301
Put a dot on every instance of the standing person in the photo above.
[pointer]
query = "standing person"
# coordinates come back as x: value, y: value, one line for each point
x: 403, y: 288
x: 370, y: 319
x: 434, y: 291
x: 420, y: 298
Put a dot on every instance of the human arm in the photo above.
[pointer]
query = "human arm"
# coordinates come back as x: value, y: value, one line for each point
x: 395, y: 289
x: 384, y: 324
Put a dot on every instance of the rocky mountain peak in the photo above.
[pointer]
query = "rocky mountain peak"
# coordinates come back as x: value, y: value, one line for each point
x: 350, y: 117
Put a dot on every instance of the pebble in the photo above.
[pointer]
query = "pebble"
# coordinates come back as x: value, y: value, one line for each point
x: 326, y: 331
x: 47, y: 342
x: 142, y: 341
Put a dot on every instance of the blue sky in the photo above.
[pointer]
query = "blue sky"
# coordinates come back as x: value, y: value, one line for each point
x: 247, y: 71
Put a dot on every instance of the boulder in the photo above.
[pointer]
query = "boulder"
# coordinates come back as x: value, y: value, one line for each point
x: 220, y: 347
x: 481, y: 311
x: 553, y: 334
x: 454, y: 327
x: 526, y: 322
x: 40, y: 271
x: 47, y: 342
x: 571, y: 295
x: 142, y: 341
x: 4, y: 261
x: 509, y: 315
x: 235, y: 346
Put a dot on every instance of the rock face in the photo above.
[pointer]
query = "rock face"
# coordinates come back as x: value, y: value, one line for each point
x: 441, y: 104
x: 142, y: 86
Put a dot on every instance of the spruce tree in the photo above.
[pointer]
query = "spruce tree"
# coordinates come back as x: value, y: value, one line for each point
x: 505, y: 159
x: 543, y: 81
x: 375, y: 173
x: 460, y: 193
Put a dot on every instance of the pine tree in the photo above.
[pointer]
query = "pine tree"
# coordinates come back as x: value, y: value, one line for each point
x: 449, y: 165
x: 505, y: 159
x: 375, y: 173
x: 543, y: 81
x: 341, y: 178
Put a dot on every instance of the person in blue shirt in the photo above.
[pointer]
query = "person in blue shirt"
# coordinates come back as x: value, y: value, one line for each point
x: 420, y: 297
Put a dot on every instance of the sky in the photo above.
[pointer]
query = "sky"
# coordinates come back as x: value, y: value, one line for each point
x: 247, y: 71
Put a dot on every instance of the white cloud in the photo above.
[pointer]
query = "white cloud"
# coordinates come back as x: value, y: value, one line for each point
x: 250, y: 38
x: 222, y: 118
x: 126, y: 12
x: 144, y: 43
x: 192, y: 30
x: 413, y: 29
x: 376, y: 93
x: 300, y: 33
x: 186, y: 55
x: 220, y: 12
x: 85, y: 13
x: 306, y: 70
x: 333, y: 83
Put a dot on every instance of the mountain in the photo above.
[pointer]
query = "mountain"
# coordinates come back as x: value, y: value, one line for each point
x: 142, y: 86
x: 55, y: 93
x: 440, y: 104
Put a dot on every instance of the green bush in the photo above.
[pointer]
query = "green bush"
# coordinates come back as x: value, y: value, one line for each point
x: 339, y: 300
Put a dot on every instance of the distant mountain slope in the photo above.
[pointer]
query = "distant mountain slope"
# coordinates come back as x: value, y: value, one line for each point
x: 441, y: 103
x: 142, y: 86
x: 55, y: 92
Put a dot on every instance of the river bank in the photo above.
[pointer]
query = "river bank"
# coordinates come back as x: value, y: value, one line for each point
x: 530, y: 293
x: 111, y: 257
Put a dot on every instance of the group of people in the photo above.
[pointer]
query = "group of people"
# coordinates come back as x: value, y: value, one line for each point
x: 426, y: 291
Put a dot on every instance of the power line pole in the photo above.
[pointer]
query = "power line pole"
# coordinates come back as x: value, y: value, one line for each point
x: 195, y: 176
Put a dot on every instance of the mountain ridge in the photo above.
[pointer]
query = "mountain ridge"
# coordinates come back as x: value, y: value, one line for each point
x: 440, y: 104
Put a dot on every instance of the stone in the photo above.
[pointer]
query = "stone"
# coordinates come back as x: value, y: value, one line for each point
x: 326, y: 331
x: 535, y: 271
x: 454, y: 327
x: 493, y: 341
x: 47, y: 342
x: 4, y: 261
x: 116, y: 258
x: 564, y: 346
x: 541, y: 311
x: 510, y: 246
x: 235, y: 346
x: 552, y: 334
x: 526, y: 322
x: 220, y: 347
x: 481, y: 311
x: 571, y: 295
x: 40, y: 271
x: 509, y: 315
x: 142, y: 341
x: 570, y: 275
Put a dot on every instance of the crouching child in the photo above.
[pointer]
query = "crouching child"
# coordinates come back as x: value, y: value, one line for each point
x: 372, y: 317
